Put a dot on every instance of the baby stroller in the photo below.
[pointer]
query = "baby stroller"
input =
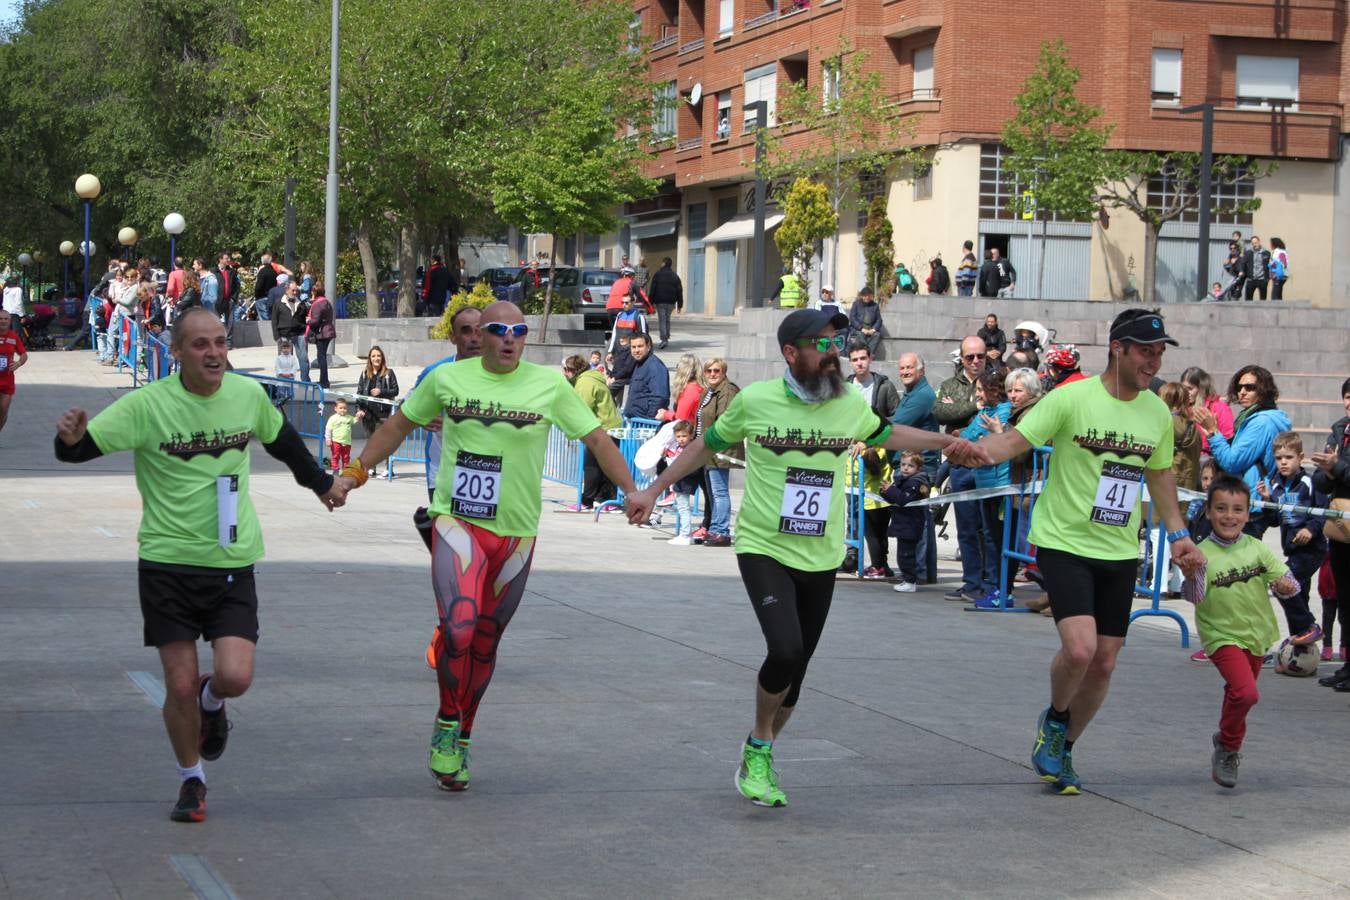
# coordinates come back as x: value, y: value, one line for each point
x: 34, y: 327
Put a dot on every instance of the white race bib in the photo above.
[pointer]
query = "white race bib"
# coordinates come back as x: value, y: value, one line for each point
x: 227, y: 509
x: 806, y: 502
x: 1117, y: 493
x: 477, y: 485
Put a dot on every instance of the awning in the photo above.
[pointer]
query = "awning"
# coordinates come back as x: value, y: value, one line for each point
x: 653, y: 227
x: 741, y: 228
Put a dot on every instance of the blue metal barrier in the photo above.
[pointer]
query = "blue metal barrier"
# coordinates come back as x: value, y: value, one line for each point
x: 1015, y: 548
x: 563, y: 462
x: 855, y: 518
x: 1156, y: 558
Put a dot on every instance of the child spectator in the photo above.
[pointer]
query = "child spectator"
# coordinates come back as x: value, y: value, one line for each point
x: 991, y: 396
x: 288, y: 367
x: 911, y: 483
x: 597, y: 363
x: 1233, y: 614
x: 338, y: 435
x: 876, y: 513
x: 1301, y: 535
x: 685, y: 487
x: 1326, y: 586
x: 1216, y: 291
x: 1185, y: 436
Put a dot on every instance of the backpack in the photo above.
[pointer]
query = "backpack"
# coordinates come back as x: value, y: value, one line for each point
x: 1278, y: 269
x: 905, y: 281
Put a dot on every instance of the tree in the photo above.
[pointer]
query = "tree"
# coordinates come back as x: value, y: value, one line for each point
x: 1125, y: 185
x: 807, y: 217
x: 1053, y: 146
x: 878, y: 246
x: 854, y: 134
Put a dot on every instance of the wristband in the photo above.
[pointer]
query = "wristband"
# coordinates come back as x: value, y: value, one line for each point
x: 1174, y: 536
x: 356, y: 471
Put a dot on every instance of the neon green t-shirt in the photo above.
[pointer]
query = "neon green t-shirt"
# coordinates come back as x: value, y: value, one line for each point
x: 796, y: 454
x: 493, y: 439
x: 191, y: 458
x: 339, y: 428
x: 1090, y: 505
x: 1236, y: 609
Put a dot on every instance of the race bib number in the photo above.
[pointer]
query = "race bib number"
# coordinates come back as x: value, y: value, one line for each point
x: 227, y: 509
x: 4, y: 362
x: 477, y: 485
x: 1117, y: 493
x: 806, y: 502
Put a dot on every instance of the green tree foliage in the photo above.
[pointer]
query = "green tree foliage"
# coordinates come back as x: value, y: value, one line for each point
x: 1055, y: 150
x: 480, y: 296
x: 807, y: 217
x: 879, y: 247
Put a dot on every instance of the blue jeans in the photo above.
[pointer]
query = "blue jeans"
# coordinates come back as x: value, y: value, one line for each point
x: 926, y: 550
x: 684, y: 521
x: 301, y: 354
x: 720, y: 482
x: 264, y: 307
x: 977, y: 573
x: 965, y: 290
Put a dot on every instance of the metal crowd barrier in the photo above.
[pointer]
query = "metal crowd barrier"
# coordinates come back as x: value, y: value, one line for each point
x: 563, y: 462
x: 1015, y: 547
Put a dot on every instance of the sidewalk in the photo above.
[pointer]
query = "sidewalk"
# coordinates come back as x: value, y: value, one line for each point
x: 604, y: 752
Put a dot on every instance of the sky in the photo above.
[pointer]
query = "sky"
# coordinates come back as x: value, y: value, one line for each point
x: 8, y: 9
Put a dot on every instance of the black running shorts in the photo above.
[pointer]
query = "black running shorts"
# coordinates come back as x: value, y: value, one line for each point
x: 182, y: 603
x: 1079, y: 586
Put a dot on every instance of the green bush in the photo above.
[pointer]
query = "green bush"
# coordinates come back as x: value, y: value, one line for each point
x: 480, y: 296
x: 534, y: 303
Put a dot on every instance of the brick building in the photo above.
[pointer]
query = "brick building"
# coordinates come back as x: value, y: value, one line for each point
x: 1274, y: 70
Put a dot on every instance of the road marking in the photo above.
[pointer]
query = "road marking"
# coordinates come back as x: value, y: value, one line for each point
x: 149, y: 685
x: 103, y: 531
x: 204, y: 880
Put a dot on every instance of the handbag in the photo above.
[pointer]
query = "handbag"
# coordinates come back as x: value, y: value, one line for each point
x: 1338, y: 530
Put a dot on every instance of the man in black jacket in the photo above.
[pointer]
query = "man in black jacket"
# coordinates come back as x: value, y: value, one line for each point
x: 436, y: 287
x: 1256, y: 270
x: 666, y: 293
x: 880, y: 391
x: 288, y: 321
x: 997, y: 276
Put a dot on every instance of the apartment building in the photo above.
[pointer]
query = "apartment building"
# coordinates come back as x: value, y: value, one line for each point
x: 1275, y: 72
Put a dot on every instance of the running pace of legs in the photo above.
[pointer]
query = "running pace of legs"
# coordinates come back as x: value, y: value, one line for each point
x: 479, y: 578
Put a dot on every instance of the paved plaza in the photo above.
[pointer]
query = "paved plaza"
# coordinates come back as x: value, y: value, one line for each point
x: 604, y: 752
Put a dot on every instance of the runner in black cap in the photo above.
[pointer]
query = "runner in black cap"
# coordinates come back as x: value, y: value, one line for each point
x: 1110, y: 436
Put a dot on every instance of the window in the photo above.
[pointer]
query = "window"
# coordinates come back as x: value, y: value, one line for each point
x: 871, y: 185
x: 999, y: 189
x: 1166, y: 75
x: 663, y: 111
x: 829, y: 82
x: 723, y: 115
x: 1165, y: 188
x: 923, y: 73
x: 697, y: 218
x: 1267, y: 81
x: 761, y: 83
x: 635, y: 33
x: 726, y: 18
x: 923, y: 183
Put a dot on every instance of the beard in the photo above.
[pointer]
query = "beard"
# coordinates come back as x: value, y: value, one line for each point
x: 825, y: 381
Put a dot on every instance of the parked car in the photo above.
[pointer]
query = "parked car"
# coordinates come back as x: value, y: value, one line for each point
x: 586, y: 287
x: 505, y: 282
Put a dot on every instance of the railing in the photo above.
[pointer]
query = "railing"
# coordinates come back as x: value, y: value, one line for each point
x: 663, y: 43
x: 691, y: 46
x: 692, y: 143
x: 761, y: 19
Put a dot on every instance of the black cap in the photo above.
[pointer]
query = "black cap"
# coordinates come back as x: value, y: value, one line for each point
x: 1142, y: 326
x: 804, y: 323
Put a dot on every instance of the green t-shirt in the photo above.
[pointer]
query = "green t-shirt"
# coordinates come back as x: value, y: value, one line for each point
x: 796, y: 454
x: 493, y: 439
x: 1090, y: 506
x: 339, y: 428
x: 191, y: 457
x: 1236, y: 609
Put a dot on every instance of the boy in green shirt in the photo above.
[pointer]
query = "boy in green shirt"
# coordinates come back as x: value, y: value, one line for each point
x: 338, y: 434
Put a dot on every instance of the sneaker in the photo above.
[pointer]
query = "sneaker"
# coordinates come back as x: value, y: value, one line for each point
x: 215, y: 728
x: 446, y: 759
x: 1223, y: 766
x: 699, y: 534
x: 577, y: 508
x: 1200, y: 656
x: 681, y: 540
x: 1268, y: 661
x: 1047, y: 755
x: 1310, y: 636
x: 957, y: 595
x: 991, y: 601
x: 873, y: 573
x: 972, y: 597
x: 1068, y: 783
x: 906, y: 587
x: 756, y: 779
x: 717, y: 540
x: 1326, y: 654
x: 1335, y: 678
x: 191, y: 806
x: 667, y: 500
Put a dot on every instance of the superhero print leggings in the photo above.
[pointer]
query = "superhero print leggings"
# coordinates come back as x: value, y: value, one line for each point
x: 479, y: 578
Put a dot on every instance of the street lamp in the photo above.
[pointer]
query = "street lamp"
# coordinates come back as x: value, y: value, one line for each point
x: 330, y: 216
x: 1206, y: 193
x: 761, y: 110
x: 127, y: 237
x: 25, y: 260
x: 174, y: 225
x: 88, y: 187
x: 39, y: 257
x: 67, y: 251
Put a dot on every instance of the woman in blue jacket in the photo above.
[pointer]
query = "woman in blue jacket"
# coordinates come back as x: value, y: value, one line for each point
x: 1250, y: 454
x: 992, y: 396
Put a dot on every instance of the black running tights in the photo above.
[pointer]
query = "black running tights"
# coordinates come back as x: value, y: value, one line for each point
x: 791, y: 606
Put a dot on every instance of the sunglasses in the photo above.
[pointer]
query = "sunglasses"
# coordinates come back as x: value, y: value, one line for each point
x: 823, y: 344
x: 500, y: 329
x: 972, y: 356
x: 1248, y: 386
x: 712, y: 370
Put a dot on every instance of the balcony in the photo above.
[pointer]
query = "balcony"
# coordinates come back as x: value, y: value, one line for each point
x: 691, y: 46
x: 664, y: 42
x: 689, y: 143
x: 788, y: 8
x: 1268, y: 126
x: 919, y: 100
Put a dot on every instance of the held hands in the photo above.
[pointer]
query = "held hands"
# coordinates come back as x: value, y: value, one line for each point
x: 336, y: 495
x: 963, y: 453
x: 638, y: 505
x: 71, y: 427
x: 1188, y: 556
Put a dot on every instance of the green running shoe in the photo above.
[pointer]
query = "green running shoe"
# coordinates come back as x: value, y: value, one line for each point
x: 1068, y: 784
x: 756, y: 779
x: 460, y: 780
x: 447, y: 757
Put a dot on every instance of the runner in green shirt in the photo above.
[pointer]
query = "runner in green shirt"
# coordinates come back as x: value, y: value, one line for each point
x: 496, y: 412
x: 1110, y: 435
x: 199, y: 535
x: 798, y: 432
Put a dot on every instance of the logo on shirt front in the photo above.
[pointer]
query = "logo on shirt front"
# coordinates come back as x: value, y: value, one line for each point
x: 794, y: 439
x: 458, y: 411
x: 1238, y: 576
x: 1121, y: 443
x: 198, y: 443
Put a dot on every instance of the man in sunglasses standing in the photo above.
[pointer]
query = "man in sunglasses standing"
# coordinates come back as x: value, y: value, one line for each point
x: 496, y: 412
x: 954, y: 409
x: 798, y: 432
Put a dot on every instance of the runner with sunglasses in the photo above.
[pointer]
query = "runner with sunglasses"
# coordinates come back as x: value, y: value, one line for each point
x: 798, y: 432
x: 496, y: 413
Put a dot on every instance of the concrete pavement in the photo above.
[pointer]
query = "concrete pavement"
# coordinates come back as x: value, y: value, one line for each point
x: 604, y: 751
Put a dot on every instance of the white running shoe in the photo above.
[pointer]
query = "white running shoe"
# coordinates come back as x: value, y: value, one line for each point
x: 681, y: 540
x: 906, y: 587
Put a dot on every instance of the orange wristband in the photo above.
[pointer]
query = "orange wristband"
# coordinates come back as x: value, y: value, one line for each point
x: 356, y: 471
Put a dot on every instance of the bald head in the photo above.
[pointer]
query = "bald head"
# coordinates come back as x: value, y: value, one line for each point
x: 503, y: 311
x: 502, y: 352
x: 972, y: 356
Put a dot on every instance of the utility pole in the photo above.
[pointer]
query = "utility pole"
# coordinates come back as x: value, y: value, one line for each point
x: 761, y: 108
x: 1206, y: 193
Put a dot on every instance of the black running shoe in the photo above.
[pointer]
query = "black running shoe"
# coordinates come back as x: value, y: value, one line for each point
x: 215, y: 728
x: 191, y: 802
